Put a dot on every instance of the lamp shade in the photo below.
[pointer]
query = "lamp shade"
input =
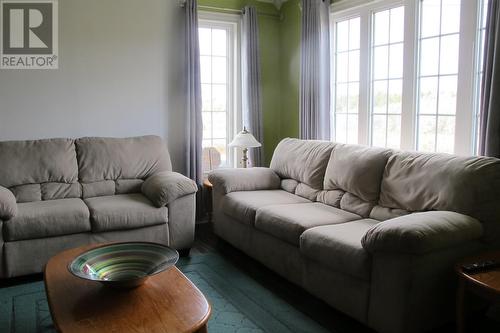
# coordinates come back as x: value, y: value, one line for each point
x: 244, y: 139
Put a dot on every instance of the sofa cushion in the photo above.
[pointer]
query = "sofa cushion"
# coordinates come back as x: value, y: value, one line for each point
x: 468, y: 185
x: 288, y: 222
x: 121, y: 158
x: 126, y: 186
x: 244, y: 205
x: 357, y: 170
x: 339, y: 247
x: 98, y: 189
x: 304, y: 161
x: 124, y: 211
x: 39, y: 161
x: 51, y: 218
x: 52, y: 191
x: 27, y: 193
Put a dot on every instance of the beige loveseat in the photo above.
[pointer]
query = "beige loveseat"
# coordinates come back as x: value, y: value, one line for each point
x: 61, y: 193
x: 373, y: 232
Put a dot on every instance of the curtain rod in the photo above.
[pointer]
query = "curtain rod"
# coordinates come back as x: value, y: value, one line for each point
x: 229, y: 10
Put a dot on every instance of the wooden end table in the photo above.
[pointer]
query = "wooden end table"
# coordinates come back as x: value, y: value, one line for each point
x: 208, y: 198
x: 484, y: 284
x: 167, y: 302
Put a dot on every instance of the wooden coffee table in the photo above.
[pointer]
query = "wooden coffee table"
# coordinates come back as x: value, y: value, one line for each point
x: 167, y: 302
x: 484, y: 284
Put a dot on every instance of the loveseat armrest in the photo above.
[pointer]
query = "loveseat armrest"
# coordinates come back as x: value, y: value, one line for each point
x: 420, y: 233
x: 165, y: 187
x: 8, y: 204
x: 246, y: 179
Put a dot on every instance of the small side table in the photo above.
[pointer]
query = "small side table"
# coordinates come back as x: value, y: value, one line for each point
x: 207, y: 189
x: 484, y: 284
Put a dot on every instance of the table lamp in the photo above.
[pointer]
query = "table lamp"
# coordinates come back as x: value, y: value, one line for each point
x: 245, y: 140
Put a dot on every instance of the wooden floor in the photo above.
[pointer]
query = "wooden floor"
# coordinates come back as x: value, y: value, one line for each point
x: 206, y: 242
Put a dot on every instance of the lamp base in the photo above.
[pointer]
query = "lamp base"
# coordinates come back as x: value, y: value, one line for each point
x: 244, y: 159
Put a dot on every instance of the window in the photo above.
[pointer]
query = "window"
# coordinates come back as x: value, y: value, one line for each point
x: 387, y: 77
x: 418, y: 78
x: 345, y: 117
x: 219, y: 47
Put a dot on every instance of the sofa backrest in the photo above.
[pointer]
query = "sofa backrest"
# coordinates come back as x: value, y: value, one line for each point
x: 39, y: 169
x: 353, y: 176
x: 301, y: 164
x: 108, y: 166
x: 468, y: 185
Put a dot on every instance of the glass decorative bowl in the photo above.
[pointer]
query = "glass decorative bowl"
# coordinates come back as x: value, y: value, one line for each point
x: 123, y: 265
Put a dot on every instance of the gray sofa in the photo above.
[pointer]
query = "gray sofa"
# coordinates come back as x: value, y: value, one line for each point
x: 373, y: 232
x: 61, y: 193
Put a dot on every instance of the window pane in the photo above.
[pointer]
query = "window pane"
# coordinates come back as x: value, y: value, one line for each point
x: 342, y: 39
x: 429, y: 57
x: 354, y: 34
x: 341, y: 98
x: 342, y: 67
x: 428, y: 95
x: 219, y: 98
x: 381, y: 32
x: 427, y: 133
x: 451, y: 16
x: 219, y: 125
x: 206, y: 97
x: 352, y: 129
x: 219, y: 47
x: 448, y: 95
x: 430, y: 18
x: 380, y: 62
x: 353, y: 66
x: 393, y: 132
x: 220, y: 145
x: 379, y: 130
x: 205, y: 36
x: 449, y: 55
x: 396, y: 61
x: 445, y: 134
x: 206, y: 69
x: 219, y: 69
x: 341, y: 128
x: 395, y: 96
x: 207, y: 124
x: 353, y: 98
x: 380, y: 97
x: 397, y: 24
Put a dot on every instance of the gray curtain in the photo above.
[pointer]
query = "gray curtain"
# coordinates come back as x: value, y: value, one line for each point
x: 194, y: 125
x: 489, y: 140
x: 251, y: 89
x: 315, y: 70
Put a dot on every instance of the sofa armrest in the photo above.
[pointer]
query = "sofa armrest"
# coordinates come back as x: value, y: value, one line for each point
x: 164, y: 187
x: 246, y: 179
x: 420, y: 233
x: 8, y: 204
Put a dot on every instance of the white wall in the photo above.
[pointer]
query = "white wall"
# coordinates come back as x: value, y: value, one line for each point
x: 121, y: 73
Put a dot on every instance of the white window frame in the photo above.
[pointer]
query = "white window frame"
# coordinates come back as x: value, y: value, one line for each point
x: 467, y: 79
x: 232, y: 24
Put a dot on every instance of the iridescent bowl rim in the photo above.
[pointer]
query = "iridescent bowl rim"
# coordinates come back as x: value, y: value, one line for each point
x: 78, y: 274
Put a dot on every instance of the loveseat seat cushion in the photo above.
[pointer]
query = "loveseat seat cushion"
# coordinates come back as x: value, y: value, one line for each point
x: 124, y: 211
x: 339, y: 247
x: 51, y: 218
x: 288, y: 222
x: 244, y: 205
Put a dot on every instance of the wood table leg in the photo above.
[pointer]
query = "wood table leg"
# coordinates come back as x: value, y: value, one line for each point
x: 460, y: 306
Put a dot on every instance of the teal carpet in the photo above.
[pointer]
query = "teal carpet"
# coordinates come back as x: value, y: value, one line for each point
x: 239, y: 304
